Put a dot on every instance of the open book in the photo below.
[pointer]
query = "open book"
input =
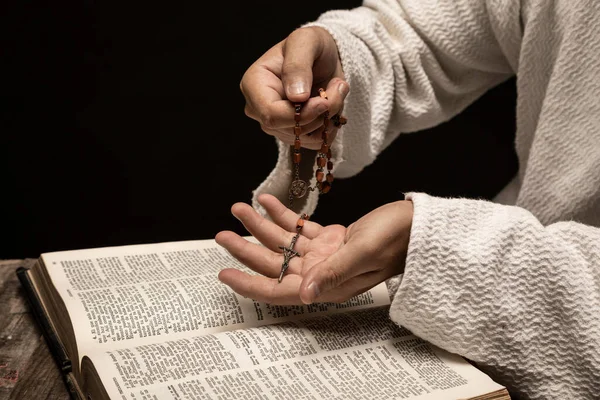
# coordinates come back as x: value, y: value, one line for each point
x: 153, y: 322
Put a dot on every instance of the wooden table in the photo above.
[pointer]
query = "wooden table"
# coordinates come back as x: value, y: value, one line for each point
x: 27, y: 369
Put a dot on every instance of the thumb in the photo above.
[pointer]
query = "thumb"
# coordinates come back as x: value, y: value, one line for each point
x: 331, y: 273
x: 300, y: 50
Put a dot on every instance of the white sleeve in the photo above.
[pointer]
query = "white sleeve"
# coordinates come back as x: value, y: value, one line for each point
x: 411, y: 65
x: 522, y: 300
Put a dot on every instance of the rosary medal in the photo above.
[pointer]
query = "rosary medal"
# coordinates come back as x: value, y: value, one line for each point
x: 298, y: 188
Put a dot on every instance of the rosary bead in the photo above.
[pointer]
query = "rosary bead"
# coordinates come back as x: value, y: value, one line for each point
x: 320, y: 174
x: 339, y: 120
x: 324, y: 179
x: 300, y: 223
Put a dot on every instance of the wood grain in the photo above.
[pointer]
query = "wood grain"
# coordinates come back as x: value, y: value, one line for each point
x: 27, y: 369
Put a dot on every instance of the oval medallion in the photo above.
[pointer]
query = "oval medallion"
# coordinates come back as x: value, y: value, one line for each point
x: 298, y: 188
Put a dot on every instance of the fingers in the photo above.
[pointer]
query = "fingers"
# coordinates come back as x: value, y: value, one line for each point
x: 286, y: 218
x: 261, y: 83
x: 300, y: 50
x: 311, y: 141
x: 265, y: 97
x: 337, y: 90
x: 279, y: 114
x: 284, y: 76
x: 263, y: 289
x: 352, y: 287
x: 254, y: 256
x: 335, y: 95
x: 265, y: 231
x: 269, y: 290
x: 332, y: 273
x: 305, y: 129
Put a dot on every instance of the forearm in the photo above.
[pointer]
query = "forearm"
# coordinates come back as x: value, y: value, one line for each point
x: 492, y: 284
x: 411, y: 65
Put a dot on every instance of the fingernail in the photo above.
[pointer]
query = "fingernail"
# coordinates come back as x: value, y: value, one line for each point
x: 343, y: 89
x: 298, y: 87
x: 314, y: 290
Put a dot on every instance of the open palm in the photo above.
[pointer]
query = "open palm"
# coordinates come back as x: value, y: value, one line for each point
x: 335, y: 263
x: 314, y: 245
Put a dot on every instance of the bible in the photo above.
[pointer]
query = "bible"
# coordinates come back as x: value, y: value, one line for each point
x: 152, y: 321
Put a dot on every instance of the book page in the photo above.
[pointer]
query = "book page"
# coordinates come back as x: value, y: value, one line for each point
x: 142, y: 293
x: 359, y: 355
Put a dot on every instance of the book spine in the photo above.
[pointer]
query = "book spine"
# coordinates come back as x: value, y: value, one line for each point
x: 56, y: 348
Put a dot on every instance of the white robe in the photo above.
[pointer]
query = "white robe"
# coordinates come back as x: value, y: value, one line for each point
x: 515, y: 286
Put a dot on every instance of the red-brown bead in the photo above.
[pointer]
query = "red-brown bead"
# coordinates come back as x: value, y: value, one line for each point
x: 329, y: 153
x: 325, y: 122
x: 329, y: 177
x: 300, y: 223
x: 321, y: 161
x: 329, y: 165
x: 297, y: 144
x: 320, y: 175
x: 297, y: 158
x: 323, y: 93
x: 324, y: 148
x: 325, y: 187
x: 297, y: 130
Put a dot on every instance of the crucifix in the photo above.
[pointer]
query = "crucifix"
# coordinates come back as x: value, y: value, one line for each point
x: 288, y: 254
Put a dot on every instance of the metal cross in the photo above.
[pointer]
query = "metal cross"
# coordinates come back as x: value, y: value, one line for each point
x: 288, y: 254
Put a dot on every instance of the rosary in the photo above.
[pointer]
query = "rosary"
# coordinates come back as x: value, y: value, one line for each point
x: 299, y: 187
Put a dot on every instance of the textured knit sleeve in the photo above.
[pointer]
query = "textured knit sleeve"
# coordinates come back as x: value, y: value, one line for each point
x: 522, y: 300
x: 412, y: 64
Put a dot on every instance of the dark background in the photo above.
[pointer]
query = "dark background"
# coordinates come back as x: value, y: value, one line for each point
x: 123, y: 123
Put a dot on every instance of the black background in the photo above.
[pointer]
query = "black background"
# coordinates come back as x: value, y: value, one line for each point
x: 123, y: 123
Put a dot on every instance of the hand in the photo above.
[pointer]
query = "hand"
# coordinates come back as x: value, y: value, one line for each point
x: 293, y: 71
x: 335, y: 263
